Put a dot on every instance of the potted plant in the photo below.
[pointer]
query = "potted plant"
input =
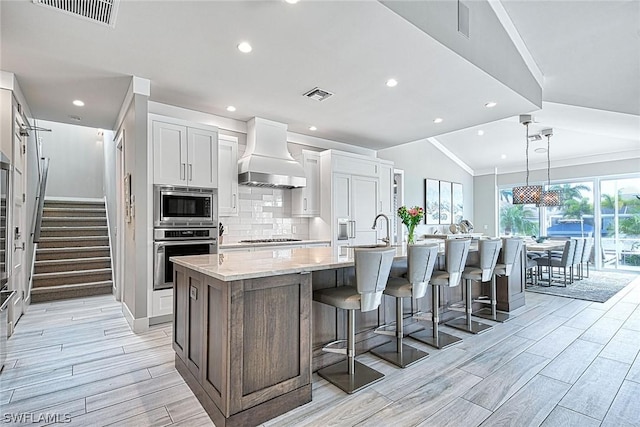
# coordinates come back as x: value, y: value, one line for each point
x: 411, y: 217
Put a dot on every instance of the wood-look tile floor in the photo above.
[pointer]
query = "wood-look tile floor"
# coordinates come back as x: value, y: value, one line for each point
x: 558, y: 362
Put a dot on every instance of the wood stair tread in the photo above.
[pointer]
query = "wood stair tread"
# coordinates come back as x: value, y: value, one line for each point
x: 71, y: 260
x: 73, y: 249
x: 71, y: 273
x: 73, y: 228
x: 62, y: 238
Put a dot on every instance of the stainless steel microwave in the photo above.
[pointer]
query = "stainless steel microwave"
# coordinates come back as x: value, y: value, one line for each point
x: 183, y: 206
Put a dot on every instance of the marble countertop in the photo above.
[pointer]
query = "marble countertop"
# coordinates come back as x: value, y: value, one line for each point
x: 270, y: 244
x: 271, y: 262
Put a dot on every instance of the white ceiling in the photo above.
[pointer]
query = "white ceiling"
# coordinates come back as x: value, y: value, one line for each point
x: 588, y: 52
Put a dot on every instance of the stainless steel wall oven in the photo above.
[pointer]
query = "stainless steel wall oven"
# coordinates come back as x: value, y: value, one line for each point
x: 170, y: 242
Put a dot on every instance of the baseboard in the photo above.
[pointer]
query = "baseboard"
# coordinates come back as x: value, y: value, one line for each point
x: 165, y: 318
x: 136, y: 325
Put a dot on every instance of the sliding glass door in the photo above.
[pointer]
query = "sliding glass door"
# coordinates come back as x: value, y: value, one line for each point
x: 620, y: 223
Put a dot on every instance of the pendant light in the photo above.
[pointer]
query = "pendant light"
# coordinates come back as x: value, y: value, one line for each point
x: 527, y: 194
x: 549, y: 198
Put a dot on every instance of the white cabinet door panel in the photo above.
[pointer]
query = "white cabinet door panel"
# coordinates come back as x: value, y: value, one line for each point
x: 169, y: 154
x: 364, y: 206
x: 202, y: 168
x: 228, y: 176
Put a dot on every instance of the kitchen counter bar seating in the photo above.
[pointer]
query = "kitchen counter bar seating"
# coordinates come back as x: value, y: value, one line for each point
x: 511, y: 250
x: 456, y: 252
x: 481, y: 272
x: 372, y: 268
x: 420, y: 262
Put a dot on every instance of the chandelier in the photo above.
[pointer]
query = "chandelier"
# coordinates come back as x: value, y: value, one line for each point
x: 549, y: 197
x: 527, y: 194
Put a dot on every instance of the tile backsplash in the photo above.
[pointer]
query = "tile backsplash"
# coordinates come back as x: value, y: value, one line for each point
x: 264, y: 213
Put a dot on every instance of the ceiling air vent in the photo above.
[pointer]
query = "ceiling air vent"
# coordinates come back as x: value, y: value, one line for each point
x: 318, y: 94
x: 100, y: 11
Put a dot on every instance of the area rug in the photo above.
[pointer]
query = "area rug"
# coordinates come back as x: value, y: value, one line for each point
x: 599, y: 287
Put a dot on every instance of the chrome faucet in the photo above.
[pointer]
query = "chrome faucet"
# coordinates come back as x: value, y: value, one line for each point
x: 386, y: 240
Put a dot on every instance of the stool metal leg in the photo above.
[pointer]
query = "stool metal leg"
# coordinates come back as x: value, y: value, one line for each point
x: 432, y: 336
x: 493, y: 313
x: 350, y: 375
x: 465, y: 323
x: 397, y: 352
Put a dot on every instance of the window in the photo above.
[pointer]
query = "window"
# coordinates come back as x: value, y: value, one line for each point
x: 517, y: 220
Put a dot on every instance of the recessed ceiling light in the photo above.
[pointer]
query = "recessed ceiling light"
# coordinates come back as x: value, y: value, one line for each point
x: 231, y: 108
x: 313, y: 128
x: 78, y: 103
x: 480, y: 132
x: 438, y: 120
x: 490, y: 104
x: 503, y: 156
x: 540, y: 150
x: 392, y: 83
x: 245, y: 47
x: 291, y: 1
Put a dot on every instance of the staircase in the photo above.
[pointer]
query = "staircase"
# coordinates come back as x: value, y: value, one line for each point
x: 73, y: 258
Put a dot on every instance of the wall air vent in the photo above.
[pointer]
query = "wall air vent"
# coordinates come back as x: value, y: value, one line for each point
x: 318, y: 94
x: 100, y: 11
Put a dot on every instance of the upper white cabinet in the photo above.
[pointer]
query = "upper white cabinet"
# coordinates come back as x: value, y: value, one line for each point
x: 228, y: 168
x: 306, y: 200
x: 184, y: 155
x: 385, y: 173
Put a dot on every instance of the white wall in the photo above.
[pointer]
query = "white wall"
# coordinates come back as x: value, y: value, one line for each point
x: 421, y: 160
x: 485, y: 204
x: 109, y: 191
x: 77, y: 160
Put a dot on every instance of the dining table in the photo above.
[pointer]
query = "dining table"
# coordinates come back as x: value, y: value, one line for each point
x: 547, y: 246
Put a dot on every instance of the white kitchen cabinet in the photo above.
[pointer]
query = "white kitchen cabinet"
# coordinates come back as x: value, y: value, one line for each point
x: 228, y: 175
x: 385, y: 173
x: 355, y: 199
x: 354, y: 190
x: 184, y: 155
x: 306, y: 200
x: 161, y: 302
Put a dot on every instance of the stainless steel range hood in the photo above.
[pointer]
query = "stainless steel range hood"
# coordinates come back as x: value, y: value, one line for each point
x: 267, y: 161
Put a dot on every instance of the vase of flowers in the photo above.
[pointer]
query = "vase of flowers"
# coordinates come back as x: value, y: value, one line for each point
x: 411, y: 217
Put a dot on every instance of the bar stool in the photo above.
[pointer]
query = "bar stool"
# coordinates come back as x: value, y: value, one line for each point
x: 577, y: 259
x: 372, y: 267
x: 482, y: 272
x: 511, y: 251
x: 455, y: 253
x: 420, y: 262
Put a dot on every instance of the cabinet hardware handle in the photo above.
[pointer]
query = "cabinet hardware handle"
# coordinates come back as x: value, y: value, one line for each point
x: 190, y: 171
x: 183, y: 171
x: 234, y: 201
x: 353, y: 229
x: 380, y: 206
x: 305, y: 203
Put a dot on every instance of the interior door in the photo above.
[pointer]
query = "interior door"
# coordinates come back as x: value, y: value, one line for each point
x: 18, y: 233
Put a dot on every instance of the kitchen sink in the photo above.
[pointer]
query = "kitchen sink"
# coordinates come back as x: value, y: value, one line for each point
x: 370, y: 246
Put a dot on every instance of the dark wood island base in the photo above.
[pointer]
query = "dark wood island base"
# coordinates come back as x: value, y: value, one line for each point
x: 244, y: 346
x: 252, y: 416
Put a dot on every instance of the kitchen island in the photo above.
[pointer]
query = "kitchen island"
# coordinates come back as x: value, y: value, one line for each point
x: 243, y: 332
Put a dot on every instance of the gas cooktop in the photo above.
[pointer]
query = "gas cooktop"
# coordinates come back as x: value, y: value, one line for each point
x: 270, y: 240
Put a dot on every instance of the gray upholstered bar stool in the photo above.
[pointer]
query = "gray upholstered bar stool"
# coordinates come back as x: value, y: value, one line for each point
x: 420, y: 262
x: 455, y: 253
x: 372, y: 268
x: 488, y: 251
x: 509, y: 254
